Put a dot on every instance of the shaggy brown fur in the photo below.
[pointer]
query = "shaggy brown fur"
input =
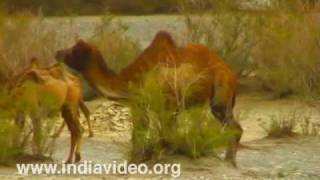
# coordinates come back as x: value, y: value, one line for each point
x: 67, y: 93
x: 219, y: 84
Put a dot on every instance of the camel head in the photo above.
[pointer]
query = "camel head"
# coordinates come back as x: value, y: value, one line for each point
x: 80, y: 55
x: 75, y: 57
x: 88, y: 61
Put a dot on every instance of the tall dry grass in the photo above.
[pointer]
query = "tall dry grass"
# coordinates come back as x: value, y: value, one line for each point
x: 117, y: 48
x: 279, y: 45
x: 231, y: 33
x: 25, y: 36
x: 288, y: 53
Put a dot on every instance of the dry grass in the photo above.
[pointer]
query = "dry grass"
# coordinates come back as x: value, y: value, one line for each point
x: 231, y: 33
x: 281, y: 48
x: 288, y: 54
x: 309, y: 128
x: 282, y: 125
x: 23, y: 37
x: 118, y: 50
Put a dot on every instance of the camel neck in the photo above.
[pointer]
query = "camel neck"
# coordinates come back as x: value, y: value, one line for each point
x: 103, y: 79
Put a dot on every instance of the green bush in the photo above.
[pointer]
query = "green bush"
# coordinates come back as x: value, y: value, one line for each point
x: 43, y: 107
x: 24, y: 101
x: 8, y: 131
x: 163, y: 124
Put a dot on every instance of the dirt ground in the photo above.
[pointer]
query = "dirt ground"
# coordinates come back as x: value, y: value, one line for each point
x: 290, y: 158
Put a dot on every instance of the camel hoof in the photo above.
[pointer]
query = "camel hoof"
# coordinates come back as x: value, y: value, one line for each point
x: 232, y: 162
x: 68, y: 161
x: 91, y: 135
x: 78, y: 157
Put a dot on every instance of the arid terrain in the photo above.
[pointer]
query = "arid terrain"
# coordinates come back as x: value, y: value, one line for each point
x: 261, y: 158
x: 289, y: 158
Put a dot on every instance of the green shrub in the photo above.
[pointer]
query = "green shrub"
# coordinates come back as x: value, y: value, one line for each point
x: 163, y: 124
x: 24, y: 101
x: 8, y: 131
x: 44, y: 108
x: 198, y: 133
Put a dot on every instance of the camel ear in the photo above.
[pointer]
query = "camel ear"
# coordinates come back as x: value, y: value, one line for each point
x: 81, y: 43
x: 81, y: 49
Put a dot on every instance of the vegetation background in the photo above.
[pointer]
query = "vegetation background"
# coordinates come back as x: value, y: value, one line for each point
x: 276, y: 42
x: 96, y: 7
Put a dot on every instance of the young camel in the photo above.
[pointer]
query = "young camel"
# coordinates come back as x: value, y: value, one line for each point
x: 219, y: 84
x: 56, y: 71
x: 66, y: 91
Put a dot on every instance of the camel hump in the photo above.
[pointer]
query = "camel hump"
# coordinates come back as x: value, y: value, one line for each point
x: 163, y: 37
x: 197, y: 47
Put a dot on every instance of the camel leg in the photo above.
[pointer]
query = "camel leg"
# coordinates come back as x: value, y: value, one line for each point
x: 86, y: 113
x: 221, y: 105
x: 74, y: 130
x: 78, y: 147
x: 80, y: 129
x: 72, y: 149
x: 226, y: 118
x: 90, y: 128
x: 234, y: 142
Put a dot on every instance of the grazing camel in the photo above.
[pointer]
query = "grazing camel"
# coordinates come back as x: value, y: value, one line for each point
x: 62, y: 87
x: 219, y: 85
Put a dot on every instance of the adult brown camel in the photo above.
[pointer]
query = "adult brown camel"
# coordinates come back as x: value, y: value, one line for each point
x: 63, y: 88
x: 219, y: 84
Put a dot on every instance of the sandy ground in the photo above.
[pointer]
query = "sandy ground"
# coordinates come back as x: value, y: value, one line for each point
x: 295, y: 158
